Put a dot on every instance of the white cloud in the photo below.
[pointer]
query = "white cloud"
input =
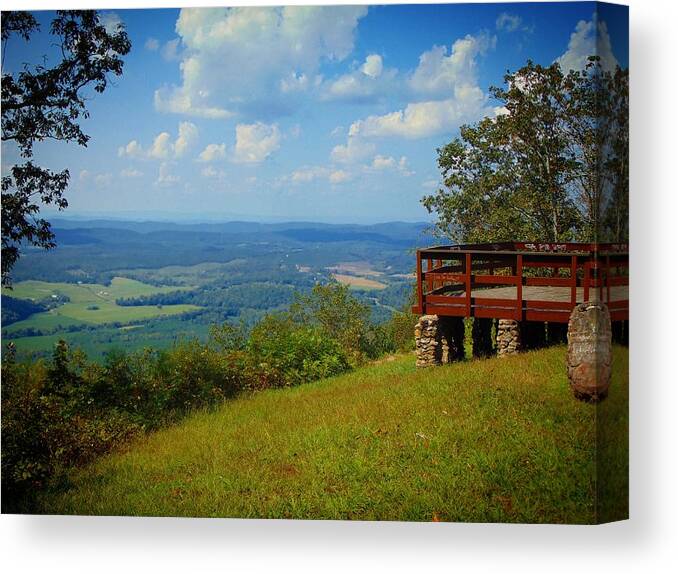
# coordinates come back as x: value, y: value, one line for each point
x: 508, y: 22
x: 210, y: 172
x: 255, y: 142
x: 446, y: 93
x: 188, y: 135
x: 130, y: 173
x: 339, y: 176
x: 430, y: 184
x: 367, y: 82
x: 382, y: 162
x: 424, y: 119
x: 110, y: 21
x: 355, y: 150
x: 152, y: 44
x: 163, y: 147
x: 84, y: 175
x: 103, y: 179
x: 309, y: 174
x: 589, y: 39
x: 170, y: 51
x: 403, y: 167
x: 213, y: 152
x: 133, y: 149
x: 439, y: 74
x: 165, y: 175
x: 246, y: 58
x: 373, y: 66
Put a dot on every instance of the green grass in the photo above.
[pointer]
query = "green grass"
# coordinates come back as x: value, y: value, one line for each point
x: 83, y: 300
x: 491, y: 440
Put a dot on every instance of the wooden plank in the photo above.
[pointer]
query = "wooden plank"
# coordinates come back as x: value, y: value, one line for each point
x: 519, y: 296
x: 573, y: 281
x: 564, y: 305
x: 468, y: 284
x: 420, y: 288
x: 447, y: 299
x: 548, y: 281
x: 495, y: 280
x: 446, y: 311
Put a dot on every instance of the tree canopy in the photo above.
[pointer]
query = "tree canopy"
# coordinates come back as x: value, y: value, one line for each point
x: 552, y: 165
x: 41, y: 103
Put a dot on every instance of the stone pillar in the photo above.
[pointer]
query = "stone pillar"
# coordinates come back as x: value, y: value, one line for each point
x: 438, y: 340
x: 589, y: 351
x: 482, y: 337
x: 533, y: 334
x: 508, y: 337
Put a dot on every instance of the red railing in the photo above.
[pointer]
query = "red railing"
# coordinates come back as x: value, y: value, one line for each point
x: 522, y: 281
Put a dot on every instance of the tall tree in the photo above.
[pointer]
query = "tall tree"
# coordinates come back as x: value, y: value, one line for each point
x: 546, y: 167
x: 40, y: 103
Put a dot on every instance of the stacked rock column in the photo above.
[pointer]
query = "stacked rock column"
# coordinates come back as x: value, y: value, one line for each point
x: 508, y: 337
x: 438, y: 340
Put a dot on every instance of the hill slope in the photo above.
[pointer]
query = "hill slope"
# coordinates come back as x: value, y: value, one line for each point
x: 491, y: 440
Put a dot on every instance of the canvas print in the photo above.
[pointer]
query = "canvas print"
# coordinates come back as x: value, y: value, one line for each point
x: 317, y: 262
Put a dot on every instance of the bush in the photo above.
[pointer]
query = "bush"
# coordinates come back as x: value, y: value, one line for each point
x: 298, y: 352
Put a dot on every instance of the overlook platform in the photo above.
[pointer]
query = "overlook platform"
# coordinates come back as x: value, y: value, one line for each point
x: 522, y: 281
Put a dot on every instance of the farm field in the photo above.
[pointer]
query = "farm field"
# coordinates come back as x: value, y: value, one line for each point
x: 90, y: 304
x: 498, y: 440
x: 358, y: 282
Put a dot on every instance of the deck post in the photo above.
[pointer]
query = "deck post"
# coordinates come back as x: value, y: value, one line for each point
x: 482, y: 337
x: 509, y: 340
x: 533, y: 334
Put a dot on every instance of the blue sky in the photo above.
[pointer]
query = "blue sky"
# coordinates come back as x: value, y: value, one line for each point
x: 329, y: 113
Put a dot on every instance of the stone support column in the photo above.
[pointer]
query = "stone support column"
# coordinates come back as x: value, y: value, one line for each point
x: 438, y: 340
x: 508, y: 337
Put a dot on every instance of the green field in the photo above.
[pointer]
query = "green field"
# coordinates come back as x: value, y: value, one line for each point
x: 485, y: 440
x: 90, y: 304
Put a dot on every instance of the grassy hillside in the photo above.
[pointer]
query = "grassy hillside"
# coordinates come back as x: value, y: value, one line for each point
x: 491, y: 440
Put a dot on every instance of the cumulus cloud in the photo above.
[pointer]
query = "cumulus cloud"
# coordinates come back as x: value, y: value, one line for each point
x: 245, y: 59
x: 152, y: 44
x: 188, y: 135
x: 439, y: 73
x: 508, y: 22
x: 213, y: 152
x: 110, y: 21
x: 366, y: 83
x: 424, y: 119
x: 373, y: 66
x: 589, y: 39
x: 382, y: 162
x: 339, y: 176
x: 309, y: 174
x: 130, y: 173
x: 133, y: 149
x: 170, y: 51
x: 163, y: 147
x: 255, y: 142
x: 446, y: 93
x: 103, y: 179
x: 354, y: 151
x: 165, y: 176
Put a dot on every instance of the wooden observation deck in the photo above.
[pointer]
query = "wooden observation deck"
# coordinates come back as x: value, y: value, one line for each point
x: 522, y: 281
